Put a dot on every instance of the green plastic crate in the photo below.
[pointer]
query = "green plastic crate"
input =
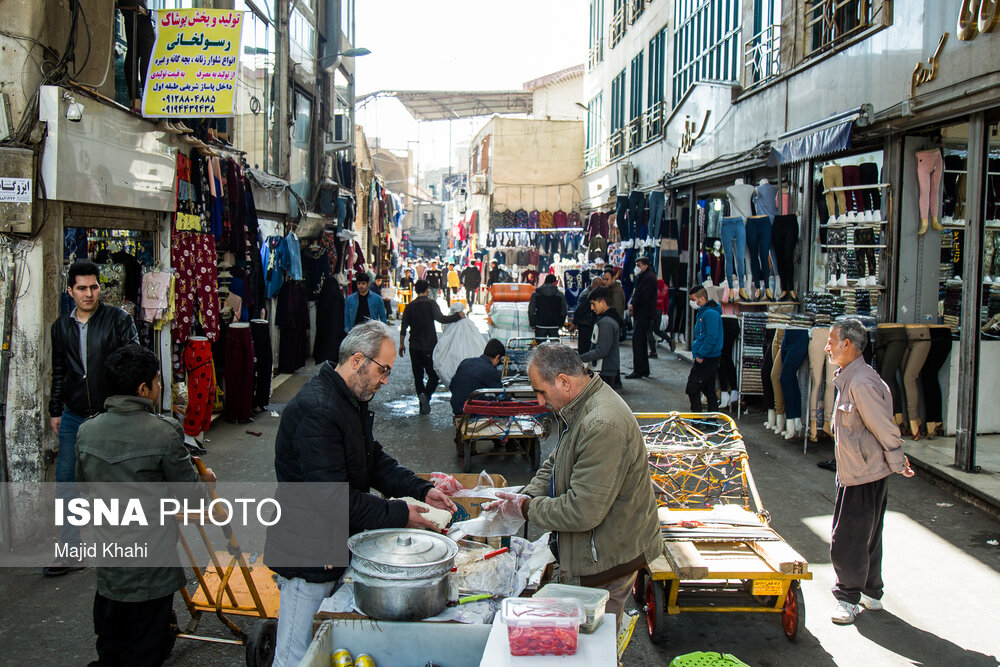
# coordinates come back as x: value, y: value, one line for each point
x: 707, y: 659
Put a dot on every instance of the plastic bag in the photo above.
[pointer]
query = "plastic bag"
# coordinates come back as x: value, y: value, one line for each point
x: 474, y: 575
x: 459, y: 342
x: 664, y: 322
x: 501, y: 522
x: 446, y: 483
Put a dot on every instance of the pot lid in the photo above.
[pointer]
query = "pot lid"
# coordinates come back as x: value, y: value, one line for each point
x: 403, y: 546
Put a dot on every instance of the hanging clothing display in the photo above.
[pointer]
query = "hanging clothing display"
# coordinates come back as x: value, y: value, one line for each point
x: 239, y: 372
x: 263, y: 363
x: 197, y: 297
x: 201, y: 385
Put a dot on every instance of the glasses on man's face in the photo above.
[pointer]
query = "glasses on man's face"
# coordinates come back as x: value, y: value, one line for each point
x: 386, y: 371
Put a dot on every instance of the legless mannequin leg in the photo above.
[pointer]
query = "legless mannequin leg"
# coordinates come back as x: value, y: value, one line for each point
x: 817, y: 364
x: 918, y: 347
x: 779, y: 396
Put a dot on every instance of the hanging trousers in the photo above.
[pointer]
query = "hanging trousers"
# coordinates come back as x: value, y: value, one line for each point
x: 636, y: 214
x: 941, y: 343
x: 785, y: 235
x: 201, y: 386
x: 239, y: 373
x: 794, y: 347
x: 759, y: 245
x: 263, y: 364
x: 952, y: 165
x: 767, y: 389
x: 836, y: 202
x: 817, y: 365
x: 929, y: 167
x: 890, y: 346
x: 728, y: 380
x: 918, y: 346
x: 621, y: 217
x: 865, y: 236
x: 734, y: 243
x: 779, y: 394
x: 193, y: 257
x: 871, y: 198
x: 856, y: 540
x: 852, y: 176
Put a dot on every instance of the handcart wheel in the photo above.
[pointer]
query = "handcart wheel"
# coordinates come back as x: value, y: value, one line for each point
x: 793, y: 616
x: 260, y: 643
x: 467, y: 456
x: 639, y: 589
x: 656, y: 610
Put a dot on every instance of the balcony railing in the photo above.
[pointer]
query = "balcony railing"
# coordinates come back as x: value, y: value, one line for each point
x: 616, y: 30
x: 596, y: 53
x: 593, y: 157
x: 635, y: 133
x: 830, y: 22
x: 616, y: 144
x: 654, y: 122
x: 762, y: 56
x: 634, y: 9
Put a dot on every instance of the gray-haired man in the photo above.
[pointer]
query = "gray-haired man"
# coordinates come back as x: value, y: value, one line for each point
x: 325, y: 435
x: 594, y: 491
x: 868, y: 449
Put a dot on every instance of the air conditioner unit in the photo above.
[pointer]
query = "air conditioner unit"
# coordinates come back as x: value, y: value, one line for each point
x: 628, y: 178
x: 337, y: 135
x: 479, y: 184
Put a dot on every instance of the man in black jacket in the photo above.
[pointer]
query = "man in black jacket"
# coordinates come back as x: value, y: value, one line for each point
x: 477, y: 373
x: 584, y: 317
x: 325, y: 436
x: 81, y: 343
x: 435, y: 279
x: 494, y: 275
x: 547, y: 309
x: 419, y: 317
x: 471, y: 280
x: 643, y: 308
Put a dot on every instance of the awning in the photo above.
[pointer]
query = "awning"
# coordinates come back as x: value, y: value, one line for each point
x: 830, y: 135
x: 452, y: 104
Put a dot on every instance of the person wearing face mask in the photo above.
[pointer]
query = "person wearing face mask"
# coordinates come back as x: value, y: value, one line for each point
x: 642, y: 307
x: 706, y: 348
x: 325, y: 436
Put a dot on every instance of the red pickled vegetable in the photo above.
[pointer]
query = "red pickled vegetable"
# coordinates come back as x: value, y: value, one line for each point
x: 542, y: 640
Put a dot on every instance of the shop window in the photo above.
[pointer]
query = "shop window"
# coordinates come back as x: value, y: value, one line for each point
x: 829, y: 23
x: 991, y: 237
x: 300, y: 158
x: 706, y: 43
x: 595, y: 42
x: 255, y: 96
x: 302, y: 42
x: 955, y: 154
x: 762, y: 52
x: 848, y: 249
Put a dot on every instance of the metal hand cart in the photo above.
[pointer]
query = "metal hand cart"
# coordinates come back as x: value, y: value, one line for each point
x: 253, y: 594
x: 515, y: 363
x: 720, y: 553
x: 502, y: 416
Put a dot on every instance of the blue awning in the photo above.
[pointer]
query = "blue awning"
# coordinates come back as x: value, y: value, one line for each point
x: 830, y: 135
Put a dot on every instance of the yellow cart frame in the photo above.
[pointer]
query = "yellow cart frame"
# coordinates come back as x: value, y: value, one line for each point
x: 698, y: 460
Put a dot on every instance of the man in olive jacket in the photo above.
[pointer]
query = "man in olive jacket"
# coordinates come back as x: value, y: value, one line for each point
x: 131, y: 444
x: 594, y: 491
x: 325, y: 437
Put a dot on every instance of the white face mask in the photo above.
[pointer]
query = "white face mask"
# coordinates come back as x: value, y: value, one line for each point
x: 694, y: 304
x: 637, y: 270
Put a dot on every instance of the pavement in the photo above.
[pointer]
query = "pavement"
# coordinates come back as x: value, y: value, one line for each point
x: 942, y: 576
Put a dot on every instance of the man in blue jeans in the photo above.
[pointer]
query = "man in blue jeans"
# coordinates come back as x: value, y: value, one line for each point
x: 706, y: 348
x: 81, y: 343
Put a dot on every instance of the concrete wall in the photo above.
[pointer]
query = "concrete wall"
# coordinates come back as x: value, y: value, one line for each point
x: 558, y: 101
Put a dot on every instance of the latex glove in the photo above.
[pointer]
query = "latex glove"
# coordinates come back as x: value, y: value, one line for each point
x: 437, y: 498
x: 509, y: 505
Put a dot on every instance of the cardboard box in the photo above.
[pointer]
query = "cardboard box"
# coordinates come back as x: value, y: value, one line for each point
x: 469, y: 507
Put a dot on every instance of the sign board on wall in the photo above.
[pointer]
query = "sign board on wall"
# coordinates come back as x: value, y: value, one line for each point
x: 193, y: 65
x: 15, y: 190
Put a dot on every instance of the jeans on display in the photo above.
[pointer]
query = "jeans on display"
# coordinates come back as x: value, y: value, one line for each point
x: 890, y: 346
x: 759, y: 242
x: 856, y: 540
x: 836, y: 202
x: 300, y: 600
x: 728, y: 378
x: 918, y: 346
x: 636, y: 214
x: 794, y: 348
x: 69, y: 425
x: 941, y: 344
x: 929, y: 167
x: 657, y: 199
x: 734, y: 243
x: 817, y: 365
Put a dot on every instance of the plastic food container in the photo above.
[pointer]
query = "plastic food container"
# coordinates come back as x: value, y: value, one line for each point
x: 593, y: 600
x: 542, y: 626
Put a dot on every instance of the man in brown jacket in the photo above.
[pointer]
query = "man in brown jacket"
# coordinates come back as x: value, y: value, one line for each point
x: 868, y: 449
x: 594, y: 492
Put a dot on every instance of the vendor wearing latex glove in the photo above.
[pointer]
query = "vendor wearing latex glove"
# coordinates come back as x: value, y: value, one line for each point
x: 594, y: 491
x: 325, y: 436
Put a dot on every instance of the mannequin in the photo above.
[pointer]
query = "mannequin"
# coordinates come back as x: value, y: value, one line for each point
x: 779, y: 395
x: 785, y: 236
x: 794, y: 348
x: 741, y: 198
x: 929, y: 167
x: 918, y: 346
x: 201, y: 390
x: 767, y: 389
x: 817, y: 365
x: 941, y: 343
x: 239, y: 373
x: 728, y: 379
x: 890, y: 346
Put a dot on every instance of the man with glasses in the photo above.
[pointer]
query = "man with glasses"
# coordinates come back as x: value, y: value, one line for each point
x: 419, y: 317
x: 325, y: 436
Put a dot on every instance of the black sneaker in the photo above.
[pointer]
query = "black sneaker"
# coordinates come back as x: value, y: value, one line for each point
x: 196, y: 449
x: 830, y: 465
x: 61, y: 567
x: 634, y: 376
x: 425, y: 404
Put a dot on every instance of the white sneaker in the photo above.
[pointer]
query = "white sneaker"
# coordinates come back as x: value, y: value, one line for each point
x: 832, y: 220
x: 842, y: 219
x: 724, y: 400
x: 876, y: 216
x: 866, y: 216
x: 843, y: 280
x: 852, y: 217
x: 871, y: 603
x: 844, y: 613
x: 734, y: 397
x: 833, y: 281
